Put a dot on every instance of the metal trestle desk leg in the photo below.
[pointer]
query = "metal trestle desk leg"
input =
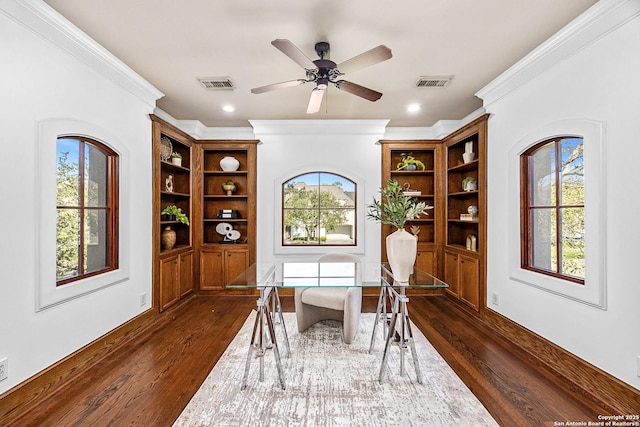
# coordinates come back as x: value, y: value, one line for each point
x: 259, y: 343
x: 401, y: 336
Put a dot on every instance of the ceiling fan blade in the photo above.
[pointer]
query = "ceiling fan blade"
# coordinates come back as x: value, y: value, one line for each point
x: 370, y: 57
x: 276, y: 86
x: 315, y: 101
x: 358, y: 90
x: 292, y: 51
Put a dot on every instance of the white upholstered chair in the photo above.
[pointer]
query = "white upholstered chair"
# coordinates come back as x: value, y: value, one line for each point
x: 342, y: 304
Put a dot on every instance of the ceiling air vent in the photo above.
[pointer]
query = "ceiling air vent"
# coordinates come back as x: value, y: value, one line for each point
x: 434, y: 81
x: 217, y: 83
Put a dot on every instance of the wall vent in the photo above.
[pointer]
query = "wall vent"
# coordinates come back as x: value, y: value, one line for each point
x: 438, y: 82
x: 216, y: 83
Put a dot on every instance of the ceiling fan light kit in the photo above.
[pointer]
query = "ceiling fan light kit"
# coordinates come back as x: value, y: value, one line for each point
x: 324, y: 71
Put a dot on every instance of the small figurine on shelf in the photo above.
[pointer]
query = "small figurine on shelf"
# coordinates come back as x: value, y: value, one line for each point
x: 229, y: 186
x: 468, y: 154
x: 472, y: 242
x: 408, y: 191
x: 168, y: 183
x: 176, y: 158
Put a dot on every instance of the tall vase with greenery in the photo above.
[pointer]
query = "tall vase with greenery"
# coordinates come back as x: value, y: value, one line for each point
x: 395, y: 209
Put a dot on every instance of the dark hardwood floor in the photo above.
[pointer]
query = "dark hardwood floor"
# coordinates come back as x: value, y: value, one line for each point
x: 151, y: 380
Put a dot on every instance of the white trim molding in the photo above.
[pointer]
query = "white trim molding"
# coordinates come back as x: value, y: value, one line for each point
x: 47, y: 293
x: 361, y: 209
x: 43, y: 20
x: 599, y: 20
x: 325, y: 127
x: 594, y: 290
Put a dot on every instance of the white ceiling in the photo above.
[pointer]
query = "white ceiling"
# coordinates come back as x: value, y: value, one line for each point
x: 172, y: 43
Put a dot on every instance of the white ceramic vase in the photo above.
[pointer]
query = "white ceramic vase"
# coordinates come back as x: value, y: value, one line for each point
x: 402, y: 248
x: 229, y: 163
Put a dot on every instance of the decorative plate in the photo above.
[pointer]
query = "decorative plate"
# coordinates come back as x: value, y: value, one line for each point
x: 223, y: 228
x: 233, y: 235
x: 165, y: 148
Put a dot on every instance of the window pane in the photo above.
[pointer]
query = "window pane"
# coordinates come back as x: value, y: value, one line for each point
x: 300, y: 226
x: 339, y: 229
x: 542, y: 168
x: 543, y: 245
x: 572, y: 227
x: 95, y: 240
x: 572, y: 173
x: 67, y: 243
x: 319, y: 208
x: 95, y: 177
x: 68, y: 174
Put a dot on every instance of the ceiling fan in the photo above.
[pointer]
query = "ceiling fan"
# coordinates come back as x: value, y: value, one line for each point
x: 324, y: 71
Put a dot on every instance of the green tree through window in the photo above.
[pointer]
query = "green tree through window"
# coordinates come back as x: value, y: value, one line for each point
x: 319, y: 209
x: 553, y: 208
x: 86, y: 204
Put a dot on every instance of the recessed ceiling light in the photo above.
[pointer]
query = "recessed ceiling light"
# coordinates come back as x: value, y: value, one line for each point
x: 413, y: 108
x: 229, y: 108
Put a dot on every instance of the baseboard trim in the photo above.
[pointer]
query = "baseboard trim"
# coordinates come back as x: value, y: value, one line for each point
x: 592, y: 382
x: 44, y: 384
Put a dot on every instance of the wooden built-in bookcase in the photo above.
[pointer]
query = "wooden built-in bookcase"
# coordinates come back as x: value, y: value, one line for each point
x: 429, y: 183
x: 445, y: 236
x: 201, y: 261
x: 172, y: 268
x: 221, y: 261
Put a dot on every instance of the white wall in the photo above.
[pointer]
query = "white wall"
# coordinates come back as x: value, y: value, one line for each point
x: 39, y: 81
x: 595, y: 78
x: 292, y: 147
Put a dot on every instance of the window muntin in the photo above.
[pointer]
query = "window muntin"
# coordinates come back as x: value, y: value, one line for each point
x: 86, y: 205
x: 553, y: 208
x: 319, y: 208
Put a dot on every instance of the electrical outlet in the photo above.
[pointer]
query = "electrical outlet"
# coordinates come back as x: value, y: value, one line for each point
x: 143, y: 298
x: 4, y: 369
x: 495, y: 298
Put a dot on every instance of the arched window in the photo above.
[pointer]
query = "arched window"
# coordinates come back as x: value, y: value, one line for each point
x: 553, y: 208
x: 87, y: 209
x: 319, y: 208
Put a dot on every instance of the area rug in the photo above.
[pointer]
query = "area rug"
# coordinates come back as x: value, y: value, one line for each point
x: 329, y: 383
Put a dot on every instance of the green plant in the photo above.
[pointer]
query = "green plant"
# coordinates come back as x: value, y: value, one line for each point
x: 174, y: 210
x: 176, y: 155
x: 229, y: 182
x: 408, y: 160
x: 394, y: 208
x: 467, y: 180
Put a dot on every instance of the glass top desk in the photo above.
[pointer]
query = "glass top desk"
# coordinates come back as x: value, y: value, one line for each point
x: 268, y: 278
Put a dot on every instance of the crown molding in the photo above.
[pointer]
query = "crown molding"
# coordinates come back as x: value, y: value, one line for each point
x: 596, y: 22
x: 197, y: 130
x: 301, y: 127
x: 44, y: 21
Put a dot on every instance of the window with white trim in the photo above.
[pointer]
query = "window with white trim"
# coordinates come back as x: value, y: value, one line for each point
x: 319, y: 208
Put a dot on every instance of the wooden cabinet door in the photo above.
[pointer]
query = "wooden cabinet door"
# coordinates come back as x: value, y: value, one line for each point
x: 168, y: 282
x: 236, y: 262
x: 425, y: 261
x: 186, y: 273
x: 469, y: 280
x: 211, y: 270
x: 451, y: 273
